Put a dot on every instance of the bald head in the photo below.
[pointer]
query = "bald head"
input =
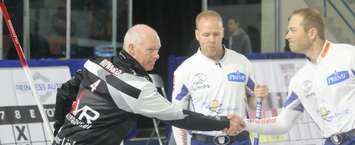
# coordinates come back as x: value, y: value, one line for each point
x: 138, y: 33
x: 208, y: 15
x: 142, y: 43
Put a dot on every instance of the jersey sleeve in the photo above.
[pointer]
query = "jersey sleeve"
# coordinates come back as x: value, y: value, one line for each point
x: 141, y: 97
x: 291, y: 110
x: 152, y: 104
x: 273, y: 125
x: 181, y: 92
x: 180, y: 97
x: 250, y: 85
x: 293, y: 102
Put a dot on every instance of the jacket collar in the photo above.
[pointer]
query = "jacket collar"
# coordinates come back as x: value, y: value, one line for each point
x: 199, y: 53
x: 131, y: 64
x: 324, y: 52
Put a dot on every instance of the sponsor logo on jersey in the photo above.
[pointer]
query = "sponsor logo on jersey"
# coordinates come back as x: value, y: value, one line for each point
x: 214, y: 105
x: 307, y: 86
x: 199, y: 81
x: 329, y: 117
x: 337, y: 77
x: 84, y: 116
x: 236, y: 77
x: 63, y: 141
x: 110, y: 67
x: 323, y: 112
x: 307, y: 89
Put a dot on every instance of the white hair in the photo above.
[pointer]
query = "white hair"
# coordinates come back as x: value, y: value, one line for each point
x: 134, y: 35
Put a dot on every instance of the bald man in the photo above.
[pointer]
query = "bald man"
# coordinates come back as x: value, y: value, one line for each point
x: 112, y: 92
x: 218, y: 81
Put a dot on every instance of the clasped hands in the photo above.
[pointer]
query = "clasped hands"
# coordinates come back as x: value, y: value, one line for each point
x: 236, y: 125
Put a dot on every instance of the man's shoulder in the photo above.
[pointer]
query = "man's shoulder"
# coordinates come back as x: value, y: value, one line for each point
x: 190, y: 61
x: 189, y: 64
x: 300, y: 74
x: 343, y: 47
x: 242, y: 33
x: 98, y: 59
x: 235, y: 56
x: 342, y: 51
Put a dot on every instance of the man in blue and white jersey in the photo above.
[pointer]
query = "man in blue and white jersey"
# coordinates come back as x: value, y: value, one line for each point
x: 112, y: 92
x: 214, y: 82
x: 324, y: 87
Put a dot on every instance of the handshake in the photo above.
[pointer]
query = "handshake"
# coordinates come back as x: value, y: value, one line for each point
x: 236, y: 125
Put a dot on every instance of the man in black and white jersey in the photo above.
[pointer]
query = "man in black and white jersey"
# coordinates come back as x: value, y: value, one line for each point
x: 112, y: 92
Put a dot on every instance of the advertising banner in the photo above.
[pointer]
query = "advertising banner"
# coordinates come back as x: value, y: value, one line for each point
x: 20, y: 120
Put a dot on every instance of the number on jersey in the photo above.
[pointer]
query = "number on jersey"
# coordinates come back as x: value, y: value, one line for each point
x: 94, y: 85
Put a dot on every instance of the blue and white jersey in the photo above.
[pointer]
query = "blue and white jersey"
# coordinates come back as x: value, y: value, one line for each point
x: 326, y: 89
x: 214, y: 89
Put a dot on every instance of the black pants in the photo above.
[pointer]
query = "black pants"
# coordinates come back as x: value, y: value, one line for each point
x: 240, y: 139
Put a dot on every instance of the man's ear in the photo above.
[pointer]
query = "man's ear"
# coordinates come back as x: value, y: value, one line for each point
x: 312, y: 33
x: 196, y: 35
x: 130, y: 48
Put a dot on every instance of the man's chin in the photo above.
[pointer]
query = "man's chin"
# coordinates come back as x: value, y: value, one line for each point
x: 295, y: 50
x: 149, y: 68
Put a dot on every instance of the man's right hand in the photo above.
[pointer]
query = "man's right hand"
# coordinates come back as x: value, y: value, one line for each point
x: 261, y: 91
x: 236, y: 125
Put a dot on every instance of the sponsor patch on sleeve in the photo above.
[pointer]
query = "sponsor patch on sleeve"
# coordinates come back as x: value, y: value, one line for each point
x: 337, y: 77
x: 236, y: 77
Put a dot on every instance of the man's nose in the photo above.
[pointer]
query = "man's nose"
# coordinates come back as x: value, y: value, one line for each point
x: 211, y: 38
x: 156, y: 55
x: 287, y: 36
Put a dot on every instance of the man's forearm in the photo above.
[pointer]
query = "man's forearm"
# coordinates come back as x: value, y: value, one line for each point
x: 197, y: 121
x: 274, y: 125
